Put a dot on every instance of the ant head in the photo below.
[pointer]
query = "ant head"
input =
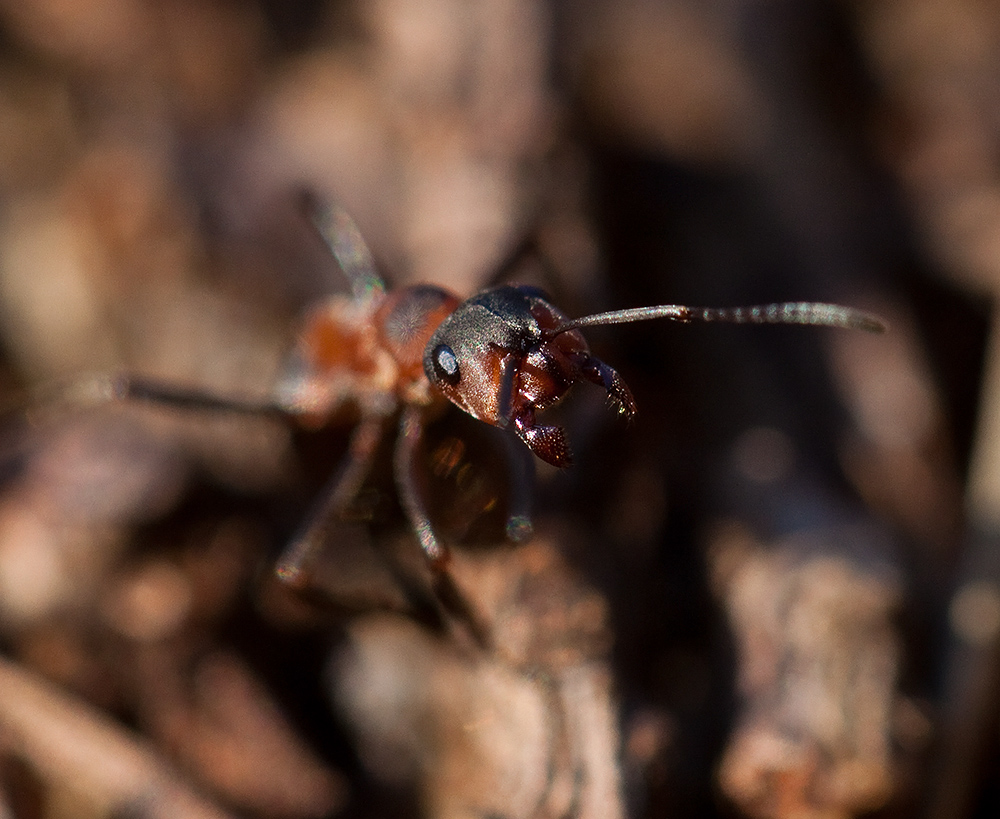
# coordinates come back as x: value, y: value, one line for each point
x: 496, y: 354
x: 507, y: 352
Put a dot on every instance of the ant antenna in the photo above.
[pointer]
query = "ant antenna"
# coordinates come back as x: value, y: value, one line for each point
x: 795, y: 312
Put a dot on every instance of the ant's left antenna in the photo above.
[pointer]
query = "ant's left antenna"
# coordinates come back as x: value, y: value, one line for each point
x: 797, y: 312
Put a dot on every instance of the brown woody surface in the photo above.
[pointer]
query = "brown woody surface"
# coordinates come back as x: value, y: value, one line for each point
x: 759, y: 599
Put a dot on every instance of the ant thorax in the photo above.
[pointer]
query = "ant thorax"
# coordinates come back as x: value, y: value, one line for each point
x: 405, y: 321
x: 366, y: 354
x: 337, y: 361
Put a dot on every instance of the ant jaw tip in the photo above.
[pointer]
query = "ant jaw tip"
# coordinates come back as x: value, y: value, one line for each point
x: 559, y: 457
x: 562, y: 459
x: 547, y: 443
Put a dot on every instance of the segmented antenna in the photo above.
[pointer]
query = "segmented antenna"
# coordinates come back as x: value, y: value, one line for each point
x: 795, y: 312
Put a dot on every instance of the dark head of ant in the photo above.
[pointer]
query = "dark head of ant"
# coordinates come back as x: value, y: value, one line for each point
x: 507, y: 353
x: 502, y: 356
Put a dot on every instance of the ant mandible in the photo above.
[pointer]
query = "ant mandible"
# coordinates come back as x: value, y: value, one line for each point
x: 502, y: 355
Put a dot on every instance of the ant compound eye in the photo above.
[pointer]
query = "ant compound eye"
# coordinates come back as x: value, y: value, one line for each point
x: 446, y: 365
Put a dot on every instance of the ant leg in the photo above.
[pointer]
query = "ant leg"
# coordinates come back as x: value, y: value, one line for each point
x: 548, y: 443
x: 521, y: 475
x: 342, y: 236
x: 293, y: 565
x: 520, y: 464
x: 124, y: 387
x: 597, y: 372
x: 452, y: 600
x: 98, y: 390
x: 411, y: 430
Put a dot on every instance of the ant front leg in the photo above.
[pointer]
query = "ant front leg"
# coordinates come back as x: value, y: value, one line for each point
x: 596, y: 371
x: 521, y: 480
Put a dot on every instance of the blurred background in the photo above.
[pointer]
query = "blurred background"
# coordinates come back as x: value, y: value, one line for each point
x: 776, y: 593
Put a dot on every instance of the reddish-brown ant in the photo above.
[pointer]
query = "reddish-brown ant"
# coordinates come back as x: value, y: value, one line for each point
x: 501, y: 356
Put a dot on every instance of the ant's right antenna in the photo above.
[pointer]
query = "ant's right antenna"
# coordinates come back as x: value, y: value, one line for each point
x: 795, y: 312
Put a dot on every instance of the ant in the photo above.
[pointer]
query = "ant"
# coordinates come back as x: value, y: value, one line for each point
x: 502, y: 356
